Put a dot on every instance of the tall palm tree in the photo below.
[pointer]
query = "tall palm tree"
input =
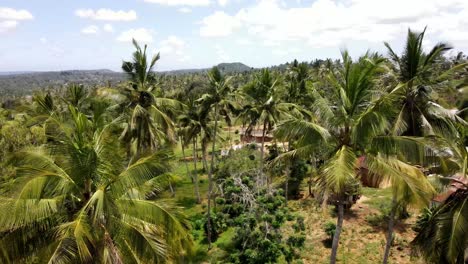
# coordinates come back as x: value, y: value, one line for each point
x: 348, y: 128
x: 409, y: 187
x: 190, y: 129
x: 297, y: 78
x: 74, y: 202
x: 264, y: 107
x: 151, y: 119
x: 418, y: 73
x: 216, y: 99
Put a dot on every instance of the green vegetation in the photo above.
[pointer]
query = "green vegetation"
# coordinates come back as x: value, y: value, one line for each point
x: 321, y: 162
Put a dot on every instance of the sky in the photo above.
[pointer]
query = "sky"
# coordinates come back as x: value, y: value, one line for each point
x: 50, y: 35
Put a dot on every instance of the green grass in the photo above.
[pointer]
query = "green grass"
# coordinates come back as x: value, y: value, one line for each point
x: 378, y: 198
x: 185, y: 198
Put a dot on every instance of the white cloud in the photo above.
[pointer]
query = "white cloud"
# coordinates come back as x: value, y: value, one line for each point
x: 184, y: 10
x: 328, y: 23
x: 43, y: 40
x: 173, y: 48
x: 90, y: 30
x: 7, y: 25
x: 13, y: 14
x: 219, y: 24
x: 108, y: 28
x: 107, y: 14
x: 223, y: 2
x: 180, y: 2
x: 9, y: 18
x: 139, y: 34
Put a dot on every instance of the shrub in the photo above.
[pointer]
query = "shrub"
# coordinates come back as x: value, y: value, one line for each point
x: 329, y: 228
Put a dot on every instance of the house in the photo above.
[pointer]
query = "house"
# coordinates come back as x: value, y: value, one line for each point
x: 255, y: 136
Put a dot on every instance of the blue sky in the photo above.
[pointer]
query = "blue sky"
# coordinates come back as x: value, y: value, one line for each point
x: 43, y: 35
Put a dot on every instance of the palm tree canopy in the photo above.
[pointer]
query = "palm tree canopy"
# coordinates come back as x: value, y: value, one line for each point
x: 77, y: 193
x: 348, y: 129
x: 140, y: 70
x: 417, y: 72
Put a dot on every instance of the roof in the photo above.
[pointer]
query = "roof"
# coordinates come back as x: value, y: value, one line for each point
x: 256, y: 133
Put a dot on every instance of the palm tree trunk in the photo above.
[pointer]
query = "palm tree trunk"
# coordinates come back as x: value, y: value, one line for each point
x: 314, y: 166
x: 230, y: 138
x: 185, y: 160
x: 286, y: 187
x: 87, y: 189
x: 336, y: 236
x: 262, y: 151
x: 204, y: 162
x: 210, y: 176
x: 391, y: 223
x: 195, y: 174
x: 288, y: 172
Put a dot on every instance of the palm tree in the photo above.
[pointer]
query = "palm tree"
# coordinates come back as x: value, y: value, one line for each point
x: 74, y: 202
x: 151, y: 118
x: 76, y: 95
x: 417, y: 73
x: 347, y: 129
x: 217, y: 99
x: 409, y: 186
x: 297, y: 78
x: 190, y: 128
x: 263, y: 107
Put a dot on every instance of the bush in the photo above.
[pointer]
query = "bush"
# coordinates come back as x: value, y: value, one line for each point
x: 423, y: 219
x: 218, y: 225
x: 296, y: 240
x: 329, y: 228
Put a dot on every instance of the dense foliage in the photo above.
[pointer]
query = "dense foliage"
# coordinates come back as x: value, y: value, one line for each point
x: 258, y: 215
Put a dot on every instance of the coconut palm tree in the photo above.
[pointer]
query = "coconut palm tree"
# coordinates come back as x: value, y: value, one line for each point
x: 190, y: 129
x: 262, y: 106
x: 409, y: 187
x: 297, y: 77
x: 151, y: 117
x: 218, y: 98
x: 347, y: 129
x: 74, y: 201
x: 418, y: 75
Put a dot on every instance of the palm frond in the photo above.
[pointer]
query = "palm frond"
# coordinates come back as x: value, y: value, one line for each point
x: 339, y: 170
x: 140, y: 172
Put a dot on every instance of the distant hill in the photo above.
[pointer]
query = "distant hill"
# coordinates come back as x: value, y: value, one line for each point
x: 14, y: 73
x: 234, y: 67
x: 18, y: 83
x: 25, y: 83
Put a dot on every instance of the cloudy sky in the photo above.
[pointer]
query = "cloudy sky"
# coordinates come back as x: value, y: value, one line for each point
x: 44, y: 35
